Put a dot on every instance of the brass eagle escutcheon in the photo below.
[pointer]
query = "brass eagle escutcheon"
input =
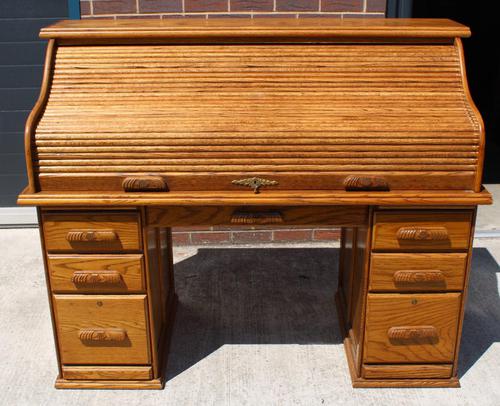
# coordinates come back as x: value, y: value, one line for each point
x: 254, y: 183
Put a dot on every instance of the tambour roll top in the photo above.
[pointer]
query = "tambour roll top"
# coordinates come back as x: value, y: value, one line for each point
x: 257, y: 106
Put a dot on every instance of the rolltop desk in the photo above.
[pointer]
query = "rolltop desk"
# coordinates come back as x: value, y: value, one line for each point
x: 367, y: 125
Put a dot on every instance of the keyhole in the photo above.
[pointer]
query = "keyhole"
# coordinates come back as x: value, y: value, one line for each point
x: 99, y: 303
x: 414, y: 301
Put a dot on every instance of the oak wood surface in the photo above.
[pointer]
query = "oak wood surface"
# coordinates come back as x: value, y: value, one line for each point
x: 126, y: 312
x: 37, y: 112
x: 402, y: 382
x: 224, y: 215
x: 201, y: 198
x: 385, y: 266
x: 276, y: 27
x: 407, y: 371
x: 74, y: 372
x: 125, y: 226
x: 156, y: 383
x: 388, y: 224
x: 62, y: 269
x: 167, y: 119
x: 234, y: 107
x: 418, y: 310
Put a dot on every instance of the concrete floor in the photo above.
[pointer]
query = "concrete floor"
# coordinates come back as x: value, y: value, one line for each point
x: 255, y: 326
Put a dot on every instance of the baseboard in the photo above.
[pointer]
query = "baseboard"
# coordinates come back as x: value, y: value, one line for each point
x: 15, y: 217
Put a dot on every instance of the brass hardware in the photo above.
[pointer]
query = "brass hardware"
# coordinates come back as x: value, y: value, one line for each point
x: 271, y: 217
x: 254, y: 183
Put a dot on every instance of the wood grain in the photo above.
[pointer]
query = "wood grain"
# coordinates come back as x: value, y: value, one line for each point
x: 156, y: 383
x: 223, y: 215
x: 406, y: 371
x: 289, y: 198
x: 386, y: 311
x: 274, y: 29
x: 37, y: 112
x: 118, y: 373
x: 385, y: 266
x: 388, y: 224
x: 58, y: 225
x: 296, y: 111
x: 62, y: 269
x: 77, y: 312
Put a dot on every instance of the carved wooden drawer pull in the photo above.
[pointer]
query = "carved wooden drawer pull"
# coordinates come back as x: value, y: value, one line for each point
x: 418, y: 276
x: 271, y: 217
x: 96, y: 277
x: 422, y: 233
x: 412, y: 332
x: 355, y: 182
x: 102, y: 334
x: 91, y: 235
x: 144, y: 184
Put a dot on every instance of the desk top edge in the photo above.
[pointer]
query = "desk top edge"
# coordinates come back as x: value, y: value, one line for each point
x: 237, y: 27
x: 283, y: 198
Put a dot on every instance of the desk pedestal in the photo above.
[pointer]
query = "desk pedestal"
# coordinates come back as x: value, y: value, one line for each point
x: 402, y: 287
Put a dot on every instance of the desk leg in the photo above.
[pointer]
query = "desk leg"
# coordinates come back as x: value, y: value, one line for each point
x: 401, y: 296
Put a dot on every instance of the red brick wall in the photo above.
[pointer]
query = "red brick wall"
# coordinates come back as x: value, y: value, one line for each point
x: 235, y: 8
x: 245, y: 9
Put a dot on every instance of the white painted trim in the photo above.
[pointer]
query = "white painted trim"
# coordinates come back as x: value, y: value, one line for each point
x: 487, y: 234
x: 18, y: 217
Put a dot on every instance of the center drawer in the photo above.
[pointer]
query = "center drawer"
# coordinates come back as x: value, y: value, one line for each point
x: 102, y: 329
x: 174, y: 216
x: 411, y: 328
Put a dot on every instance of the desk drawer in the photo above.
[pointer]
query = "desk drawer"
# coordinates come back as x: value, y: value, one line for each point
x: 91, y: 232
x: 96, y: 273
x: 422, y: 230
x: 417, y: 272
x: 102, y: 329
x: 257, y: 216
x: 411, y: 328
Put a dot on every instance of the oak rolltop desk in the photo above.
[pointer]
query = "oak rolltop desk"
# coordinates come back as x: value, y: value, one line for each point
x: 366, y: 125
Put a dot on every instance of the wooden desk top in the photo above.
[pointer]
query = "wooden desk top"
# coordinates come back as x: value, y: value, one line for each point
x: 275, y: 28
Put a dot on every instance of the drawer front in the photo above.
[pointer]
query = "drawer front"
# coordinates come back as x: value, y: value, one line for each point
x: 254, y: 215
x: 420, y: 230
x: 102, y: 330
x: 91, y: 232
x: 417, y: 272
x: 406, y: 328
x: 96, y: 273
